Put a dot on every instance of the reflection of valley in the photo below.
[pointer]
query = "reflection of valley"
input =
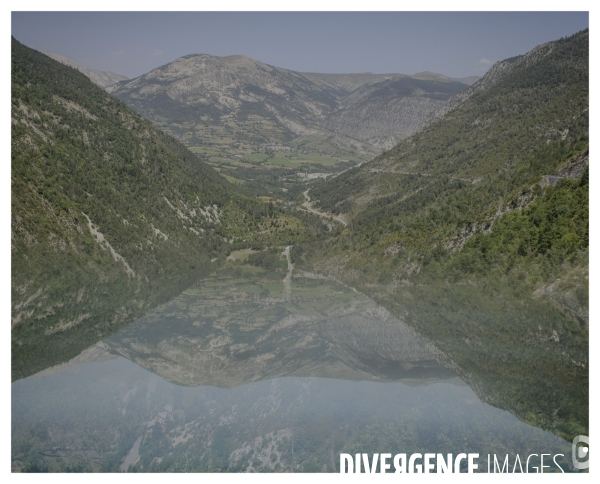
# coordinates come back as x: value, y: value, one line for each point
x: 237, y: 374
x: 238, y: 327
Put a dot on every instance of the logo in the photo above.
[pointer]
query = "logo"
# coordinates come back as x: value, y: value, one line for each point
x: 581, y: 453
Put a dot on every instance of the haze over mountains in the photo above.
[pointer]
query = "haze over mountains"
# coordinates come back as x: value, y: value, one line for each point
x: 351, y: 82
x: 100, y: 78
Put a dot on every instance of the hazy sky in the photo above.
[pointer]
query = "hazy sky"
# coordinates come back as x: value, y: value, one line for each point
x: 456, y: 44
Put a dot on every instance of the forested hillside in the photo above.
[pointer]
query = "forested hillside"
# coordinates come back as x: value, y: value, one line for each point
x: 110, y: 216
x: 476, y: 231
x: 413, y: 209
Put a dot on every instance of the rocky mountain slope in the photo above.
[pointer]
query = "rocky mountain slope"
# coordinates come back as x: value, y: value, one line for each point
x: 198, y: 90
x: 286, y: 107
x: 386, y: 112
x: 481, y: 215
x: 110, y: 216
x: 100, y: 78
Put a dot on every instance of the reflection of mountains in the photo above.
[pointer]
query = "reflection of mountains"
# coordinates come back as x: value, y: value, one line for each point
x: 520, y: 354
x: 223, y: 335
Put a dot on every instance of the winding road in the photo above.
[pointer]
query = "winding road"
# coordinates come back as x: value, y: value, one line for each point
x: 308, y: 207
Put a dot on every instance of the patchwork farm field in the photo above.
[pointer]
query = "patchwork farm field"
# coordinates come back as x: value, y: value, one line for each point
x: 260, y: 156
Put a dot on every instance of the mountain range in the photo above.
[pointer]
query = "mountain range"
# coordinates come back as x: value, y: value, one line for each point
x: 358, y: 113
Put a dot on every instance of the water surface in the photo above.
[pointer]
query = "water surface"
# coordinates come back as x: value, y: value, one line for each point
x: 245, y: 373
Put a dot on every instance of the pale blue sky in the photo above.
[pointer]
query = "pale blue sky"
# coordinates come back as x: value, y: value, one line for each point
x: 456, y: 44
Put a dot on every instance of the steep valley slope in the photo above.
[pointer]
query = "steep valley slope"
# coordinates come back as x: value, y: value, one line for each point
x: 476, y: 231
x: 110, y: 216
x: 498, y: 152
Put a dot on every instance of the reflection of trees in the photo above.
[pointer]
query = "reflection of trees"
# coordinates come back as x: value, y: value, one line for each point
x: 523, y: 356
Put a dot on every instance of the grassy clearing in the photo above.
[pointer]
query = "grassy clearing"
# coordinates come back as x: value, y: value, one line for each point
x: 235, y: 181
x: 241, y: 255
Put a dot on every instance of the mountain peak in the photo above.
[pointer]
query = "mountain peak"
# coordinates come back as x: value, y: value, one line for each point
x: 428, y: 75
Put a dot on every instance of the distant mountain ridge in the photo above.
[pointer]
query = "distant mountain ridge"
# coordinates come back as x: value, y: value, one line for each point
x: 385, y: 112
x: 200, y: 90
x: 347, y: 83
x: 100, y: 78
x: 197, y: 90
x: 440, y: 77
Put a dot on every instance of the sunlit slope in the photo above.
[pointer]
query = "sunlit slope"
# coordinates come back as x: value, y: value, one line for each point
x: 476, y: 232
x: 420, y: 205
x: 238, y: 102
x: 258, y: 104
x: 109, y: 215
